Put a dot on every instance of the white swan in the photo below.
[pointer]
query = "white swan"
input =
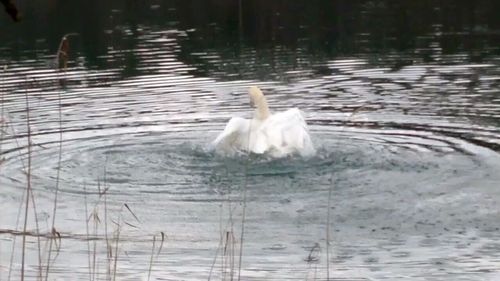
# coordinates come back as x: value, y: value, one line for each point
x: 278, y: 134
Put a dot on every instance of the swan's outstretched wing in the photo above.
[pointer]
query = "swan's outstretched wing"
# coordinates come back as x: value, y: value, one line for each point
x: 279, y: 135
x: 232, y: 138
x: 286, y: 132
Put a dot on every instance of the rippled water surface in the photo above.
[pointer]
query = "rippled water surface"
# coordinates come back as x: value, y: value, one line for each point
x: 408, y: 141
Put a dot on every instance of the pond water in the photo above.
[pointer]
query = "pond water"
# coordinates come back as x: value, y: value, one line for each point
x: 402, y: 101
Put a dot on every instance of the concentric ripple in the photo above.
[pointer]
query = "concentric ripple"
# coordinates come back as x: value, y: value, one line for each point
x: 410, y: 157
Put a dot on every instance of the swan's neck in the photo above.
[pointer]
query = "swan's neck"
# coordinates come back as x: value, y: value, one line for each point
x: 262, y: 111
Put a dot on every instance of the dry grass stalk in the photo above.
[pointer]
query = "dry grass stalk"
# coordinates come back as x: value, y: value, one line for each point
x: 87, y: 218
x: 63, y: 53
x: 18, y: 219
x: 56, y: 189
x: 313, y: 259
x: 27, y: 193
x: 28, y: 188
x: 218, y: 245
x: 108, y: 244
x: 37, y: 231
x: 117, y: 239
x: 96, y: 220
x: 242, y: 236
x: 328, y: 235
x: 151, y: 258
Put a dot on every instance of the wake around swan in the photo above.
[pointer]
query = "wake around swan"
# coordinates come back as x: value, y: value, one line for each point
x: 278, y: 135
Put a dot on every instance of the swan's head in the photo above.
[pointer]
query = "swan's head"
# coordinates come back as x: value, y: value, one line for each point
x: 256, y: 96
x: 258, y: 100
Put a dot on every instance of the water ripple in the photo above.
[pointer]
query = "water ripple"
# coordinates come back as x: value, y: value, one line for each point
x: 411, y: 155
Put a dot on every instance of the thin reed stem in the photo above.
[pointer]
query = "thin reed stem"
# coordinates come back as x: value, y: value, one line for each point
x: 39, y: 242
x: 56, y: 190
x: 151, y: 259
x: 87, y: 230
x: 28, y: 192
x: 328, y: 235
x: 18, y: 218
x: 116, y: 248
x: 108, y: 244
x: 2, y: 119
x: 218, y: 246
x: 95, y: 217
x: 245, y: 183
x: 14, y: 240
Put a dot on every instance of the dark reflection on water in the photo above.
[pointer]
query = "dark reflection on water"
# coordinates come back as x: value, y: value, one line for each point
x: 401, y: 98
x: 416, y: 30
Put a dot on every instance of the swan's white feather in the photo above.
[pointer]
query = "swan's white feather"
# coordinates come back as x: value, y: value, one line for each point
x: 231, y: 139
x: 278, y: 134
x: 281, y: 134
x: 286, y: 133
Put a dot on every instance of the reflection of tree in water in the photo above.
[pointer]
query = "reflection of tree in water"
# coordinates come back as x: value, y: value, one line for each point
x: 285, y: 29
x: 332, y: 25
